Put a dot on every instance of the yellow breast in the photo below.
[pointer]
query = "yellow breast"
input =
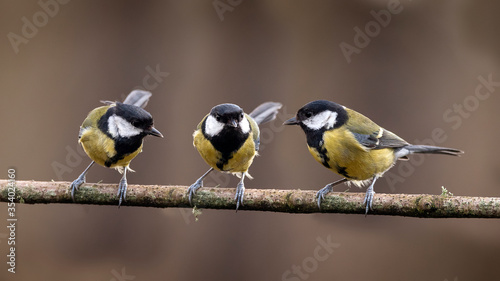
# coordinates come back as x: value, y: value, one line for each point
x: 351, y: 160
x: 240, y: 160
x: 97, y: 145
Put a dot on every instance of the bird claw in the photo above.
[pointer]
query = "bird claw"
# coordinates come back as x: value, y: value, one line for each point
x: 192, y: 190
x: 369, y: 199
x: 122, y: 191
x: 320, y: 195
x: 240, y: 193
x: 76, y: 184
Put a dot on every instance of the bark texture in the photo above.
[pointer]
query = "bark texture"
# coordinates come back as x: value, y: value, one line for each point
x: 269, y: 200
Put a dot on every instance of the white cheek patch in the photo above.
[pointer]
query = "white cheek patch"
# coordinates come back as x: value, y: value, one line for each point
x: 245, y: 125
x: 325, y: 119
x: 212, y: 126
x: 119, y: 127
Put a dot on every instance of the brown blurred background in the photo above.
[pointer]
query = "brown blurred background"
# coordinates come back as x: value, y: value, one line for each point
x: 426, y: 61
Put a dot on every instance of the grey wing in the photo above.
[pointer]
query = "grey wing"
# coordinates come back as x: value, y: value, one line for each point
x: 257, y: 143
x: 381, y: 139
x: 265, y: 112
x: 255, y: 132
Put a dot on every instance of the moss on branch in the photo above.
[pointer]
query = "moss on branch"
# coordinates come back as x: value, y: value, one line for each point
x: 268, y: 200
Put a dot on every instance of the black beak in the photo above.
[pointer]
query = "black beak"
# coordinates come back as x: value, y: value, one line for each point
x: 233, y: 123
x: 291, y: 121
x: 155, y: 132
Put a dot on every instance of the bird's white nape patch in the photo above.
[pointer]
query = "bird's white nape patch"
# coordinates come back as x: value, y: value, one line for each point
x: 325, y: 119
x: 119, y: 127
x: 245, y: 125
x: 212, y: 126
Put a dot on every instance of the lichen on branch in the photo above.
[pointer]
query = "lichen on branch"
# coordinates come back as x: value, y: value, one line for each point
x: 444, y: 205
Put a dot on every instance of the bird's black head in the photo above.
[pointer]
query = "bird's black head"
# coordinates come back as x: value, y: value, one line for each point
x: 319, y: 115
x: 127, y: 121
x: 226, y: 116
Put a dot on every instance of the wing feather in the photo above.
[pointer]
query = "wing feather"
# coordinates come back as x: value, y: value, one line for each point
x: 371, y: 135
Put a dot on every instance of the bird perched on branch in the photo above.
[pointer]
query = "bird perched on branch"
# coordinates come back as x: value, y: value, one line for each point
x: 228, y: 140
x: 112, y: 135
x: 353, y: 146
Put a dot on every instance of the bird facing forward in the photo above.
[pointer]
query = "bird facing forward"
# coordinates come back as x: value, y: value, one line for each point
x: 228, y: 140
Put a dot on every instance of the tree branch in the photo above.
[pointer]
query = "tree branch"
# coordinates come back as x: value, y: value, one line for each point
x: 270, y: 200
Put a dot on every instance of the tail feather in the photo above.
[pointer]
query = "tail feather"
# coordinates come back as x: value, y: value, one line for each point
x: 265, y: 112
x: 136, y: 97
x: 433, y: 150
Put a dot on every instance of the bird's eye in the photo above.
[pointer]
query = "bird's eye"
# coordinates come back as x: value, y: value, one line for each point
x: 241, y: 116
x: 217, y: 117
x: 308, y: 114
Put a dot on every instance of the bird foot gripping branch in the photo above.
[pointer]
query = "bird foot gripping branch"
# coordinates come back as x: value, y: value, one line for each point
x: 353, y: 146
x: 228, y: 140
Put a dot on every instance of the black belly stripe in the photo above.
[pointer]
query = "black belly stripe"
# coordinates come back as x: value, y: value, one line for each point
x: 123, y: 148
x: 224, y: 160
x: 324, y: 157
x: 315, y: 140
x: 114, y: 159
x: 109, y: 162
x: 228, y: 142
x: 342, y: 171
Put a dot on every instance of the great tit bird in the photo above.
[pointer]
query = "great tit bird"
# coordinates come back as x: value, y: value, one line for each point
x: 112, y: 136
x: 228, y: 140
x: 353, y: 146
